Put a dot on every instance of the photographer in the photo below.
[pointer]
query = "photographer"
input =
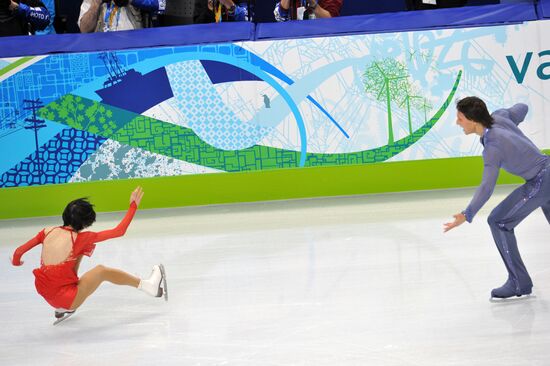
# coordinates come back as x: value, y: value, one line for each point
x: 216, y: 11
x: 22, y: 17
x: 50, y: 5
x: 115, y: 15
x: 306, y: 9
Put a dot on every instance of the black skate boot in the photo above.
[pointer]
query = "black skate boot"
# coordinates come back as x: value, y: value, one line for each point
x: 511, y: 289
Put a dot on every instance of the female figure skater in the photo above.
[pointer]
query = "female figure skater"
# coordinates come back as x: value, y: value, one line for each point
x: 62, y: 250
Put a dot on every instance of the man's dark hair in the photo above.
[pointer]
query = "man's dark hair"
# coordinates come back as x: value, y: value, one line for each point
x: 79, y: 214
x: 475, y: 109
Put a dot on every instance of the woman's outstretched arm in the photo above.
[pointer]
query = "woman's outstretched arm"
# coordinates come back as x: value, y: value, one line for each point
x: 120, y: 229
x: 16, y: 259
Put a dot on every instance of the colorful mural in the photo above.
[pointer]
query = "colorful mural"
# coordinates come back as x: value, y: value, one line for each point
x: 252, y: 106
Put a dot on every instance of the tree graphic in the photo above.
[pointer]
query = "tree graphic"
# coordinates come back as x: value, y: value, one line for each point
x: 426, y: 106
x: 387, y: 80
x: 411, y: 100
x: 35, y: 124
x: 94, y: 118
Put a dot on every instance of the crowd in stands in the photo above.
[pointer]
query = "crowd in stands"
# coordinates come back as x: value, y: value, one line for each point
x: 29, y: 17
x: 25, y: 17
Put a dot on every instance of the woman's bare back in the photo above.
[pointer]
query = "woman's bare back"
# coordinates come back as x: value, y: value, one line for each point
x: 57, y: 246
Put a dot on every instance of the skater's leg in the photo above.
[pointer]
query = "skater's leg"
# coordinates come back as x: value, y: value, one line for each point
x: 91, y: 280
x: 519, y: 282
x: 502, y: 221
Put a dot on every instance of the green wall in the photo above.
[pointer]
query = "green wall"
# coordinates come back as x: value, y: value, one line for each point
x: 204, y: 189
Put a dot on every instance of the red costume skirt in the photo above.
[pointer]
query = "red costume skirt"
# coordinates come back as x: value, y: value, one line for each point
x: 58, y: 284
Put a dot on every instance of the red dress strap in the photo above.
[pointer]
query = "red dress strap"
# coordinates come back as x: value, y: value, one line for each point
x: 49, y: 232
x: 66, y: 229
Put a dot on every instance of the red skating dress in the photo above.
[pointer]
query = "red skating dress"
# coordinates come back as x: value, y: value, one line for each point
x: 57, y: 283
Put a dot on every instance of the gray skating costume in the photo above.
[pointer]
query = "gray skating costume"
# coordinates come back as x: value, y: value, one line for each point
x: 505, y: 146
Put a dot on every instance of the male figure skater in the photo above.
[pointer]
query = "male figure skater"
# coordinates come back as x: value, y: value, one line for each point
x: 505, y: 146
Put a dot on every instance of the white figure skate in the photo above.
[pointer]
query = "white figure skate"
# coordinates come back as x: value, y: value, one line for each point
x: 156, y: 284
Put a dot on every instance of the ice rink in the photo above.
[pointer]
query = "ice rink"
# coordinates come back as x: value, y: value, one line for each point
x: 367, y: 280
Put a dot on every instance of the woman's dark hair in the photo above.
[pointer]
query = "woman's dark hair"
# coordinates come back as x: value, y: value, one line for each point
x: 475, y: 109
x: 79, y: 214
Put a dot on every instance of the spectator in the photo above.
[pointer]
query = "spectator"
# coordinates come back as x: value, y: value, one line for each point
x: 50, y: 5
x: 307, y: 9
x: 210, y: 11
x: 19, y: 18
x: 115, y: 15
x: 428, y: 4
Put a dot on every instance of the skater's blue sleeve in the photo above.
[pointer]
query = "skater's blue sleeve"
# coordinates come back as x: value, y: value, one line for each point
x: 516, y: 113
x: 38, y: 17
x: 491, y: 170
x: 150, y: 5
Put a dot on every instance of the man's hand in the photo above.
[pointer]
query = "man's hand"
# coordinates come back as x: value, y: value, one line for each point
x: 459, y: 220
x: 13, y: 6
x: 311, y: 4
x: 89, y: 19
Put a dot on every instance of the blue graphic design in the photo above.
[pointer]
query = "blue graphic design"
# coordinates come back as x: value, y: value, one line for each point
x: 288, y: 95
x: 20, y: 142
x: 58, y: 75
x: 55, y: 162
x: 223, y: 73
x: 88, y: 91
x: 256, y: 60
x: 131, y: 90
x: 217, y: 74
x: 201, y: 108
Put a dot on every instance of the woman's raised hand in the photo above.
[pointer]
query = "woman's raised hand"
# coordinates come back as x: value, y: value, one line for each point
x: 136, y: 195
